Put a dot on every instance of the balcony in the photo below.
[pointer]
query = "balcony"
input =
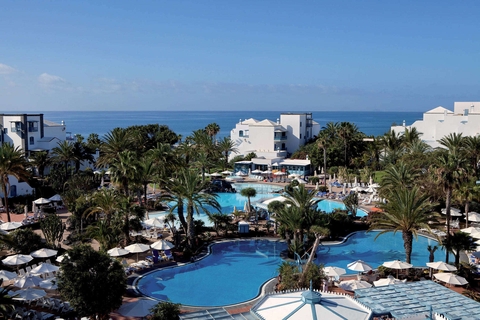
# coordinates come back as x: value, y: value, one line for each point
x: 280, y: 138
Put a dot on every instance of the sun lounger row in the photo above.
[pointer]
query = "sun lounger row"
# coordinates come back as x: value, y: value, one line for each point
x: 22, y: 313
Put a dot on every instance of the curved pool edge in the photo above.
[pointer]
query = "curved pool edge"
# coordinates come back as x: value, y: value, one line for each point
x: 262, y: 290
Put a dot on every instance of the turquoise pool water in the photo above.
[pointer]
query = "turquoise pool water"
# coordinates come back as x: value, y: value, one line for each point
x: 229, y: 201
x: 232, y: 273
x: 387, y: 247
x: 236, y: 270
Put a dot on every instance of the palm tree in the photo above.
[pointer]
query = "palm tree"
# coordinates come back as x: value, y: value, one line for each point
x: 346, y: 131
x: 104, y: 234
x: 212, y: 130
x: 431, y: 250
x: 40, y: 160
x: 226, y: 146
x: 12, y: 163
x: 106, y: 202
x: 146, y: 171
x: 113, y: 143
x: 472, y: 152
x: 450, y: 170
x: 405, y: 211
x: 458, y: 242
x: 248, y: 193
x: 6, y: 301
x: 400, y: 175
x: 392, y: 146
x: 124, y: 169
x: 63, y: 153
x: 187, y: 187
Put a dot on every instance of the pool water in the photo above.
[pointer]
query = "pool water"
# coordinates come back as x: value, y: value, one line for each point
x: 232, y: 273
x: 387, y: 247
x: 329, y: 206
x: 230, y: 201
x: 235, y: 271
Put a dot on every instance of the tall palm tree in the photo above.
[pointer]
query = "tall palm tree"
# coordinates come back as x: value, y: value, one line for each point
x: 405, y: 211
x: 187, y: 187
x: 40, y: 160
x: 248, y: 193
x: 105, y: 202
x: 450, y: 170
x: 63, y: 153
x: 212, y: 130
x: 124, y: 168
x: 226, y: 146
x: 400, y: 175
x: 392, y: 146
x: 12, y: 163
x: 457, y: 243
x: 346, y: 131
x: 472, y: 152
x: 113, y: 143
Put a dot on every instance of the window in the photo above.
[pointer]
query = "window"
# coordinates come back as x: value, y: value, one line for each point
x: 240, y: 133
x: 300, y: 124
x: 32, y: 126
x: 300, y: 136
x: 32, y: 140
x: 16, y: 126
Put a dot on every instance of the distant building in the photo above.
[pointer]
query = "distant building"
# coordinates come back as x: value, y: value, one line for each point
x: 32, y: 133
x: 439, y: 122
x: 271, y: 139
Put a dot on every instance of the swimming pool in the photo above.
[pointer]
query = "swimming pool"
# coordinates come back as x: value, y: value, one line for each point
x: 387, y: 247
x: 235, y: 270
x: 232, y: 273
x: 329, y: 206
x: 229, y: 201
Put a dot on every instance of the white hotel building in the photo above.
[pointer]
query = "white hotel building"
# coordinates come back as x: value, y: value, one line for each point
x: 273, y: 142
x: 30, y: 132
x: 439, y: 122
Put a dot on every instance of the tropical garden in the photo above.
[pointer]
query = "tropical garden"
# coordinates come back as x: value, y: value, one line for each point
x: 416, y: 182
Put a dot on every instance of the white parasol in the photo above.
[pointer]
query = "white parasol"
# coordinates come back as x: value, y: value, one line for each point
x: 42, y: 201
x: 117, y: 252
x: 48, y: 284
x: 44, y: 253
x: 440, y: 265
x: 359, y: 265
x: 397, y: 264
x: 155, y: 222
x: 386, y: 281
x: 29, y: 294
x: 17, y: 259
x: 44, y: 268
x: 137, y: 248
x: 473, y: 216
x: 470, y: 230
x: 454, y: 212
x: 7, y: 226
x: 352, y: 285
x: 334, y: 271
x: 227, y: 172
x: 162, y: 245
x: 7, y: 275
x: 55, y: 198
x: 451, y: 278
x: 27, y: 281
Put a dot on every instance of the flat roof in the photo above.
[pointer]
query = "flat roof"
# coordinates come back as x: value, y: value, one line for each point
x: 418, y: 298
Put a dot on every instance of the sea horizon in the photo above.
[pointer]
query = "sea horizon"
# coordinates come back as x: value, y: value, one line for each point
x: 372, y: 123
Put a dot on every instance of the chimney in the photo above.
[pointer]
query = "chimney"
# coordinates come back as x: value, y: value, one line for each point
x: 404, y: 123
x: 278, y: 121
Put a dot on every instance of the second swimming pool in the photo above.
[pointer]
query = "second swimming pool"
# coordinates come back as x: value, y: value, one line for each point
x: 235, y: 270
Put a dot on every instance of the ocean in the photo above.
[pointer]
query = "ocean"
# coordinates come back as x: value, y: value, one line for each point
x: 185, y: 122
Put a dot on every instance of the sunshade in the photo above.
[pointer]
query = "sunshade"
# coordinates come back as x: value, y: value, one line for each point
x: 334, y: 271
x: 60, y: 258
x: 470, y: 230
x: 473, y: 216
x: 475, y: 234
x: 44, y: 253
x: 476, y: 254
x: 357, y: 189
x: 7, y: 275
x: 29, y: 294
x: 227, y: 172
x: 440, y: 265
x: 397, y: 264
x: 10, y: 226
x: 137, y: 247
x: 117, y: 252
x: 55, y: 198
x: 279, y: 173
x: 386, y: 281
x: 268, y: 201
x: 162, y: 245
x: 155, y: 222
x: 139, y: 308
x: 41, y: 201
x: 256, y: 171
x: 454, y: 212
x: 17, y: 259
x: 27, y: 281
x: 451, y: 278
x: 44, y: 268
x: 359, y: 265
x: 48, y: 284
x: 215, y: 174
x: 352, y: 285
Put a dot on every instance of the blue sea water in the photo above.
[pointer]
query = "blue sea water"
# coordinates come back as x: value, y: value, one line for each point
x: 185, y: 122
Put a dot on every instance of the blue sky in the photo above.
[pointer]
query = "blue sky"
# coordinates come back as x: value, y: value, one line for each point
x: 231, y: 55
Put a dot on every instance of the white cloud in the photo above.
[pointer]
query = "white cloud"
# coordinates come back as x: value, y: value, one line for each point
x: 4, y: 69
x: 49, y: 79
